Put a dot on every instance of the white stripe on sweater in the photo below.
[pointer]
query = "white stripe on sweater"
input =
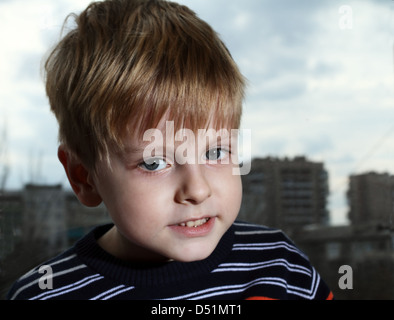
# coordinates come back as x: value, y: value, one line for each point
x: 52, y: 264
x: 67, y: 288
x: 229, y: 289
x: 243, y: 233
x: 118, y: 292
x: 307, y: 293
x: 107, y: 294
x: 250, y: 225
x: 35, y: 281
x: 268, y: 246
x: 230, y: 267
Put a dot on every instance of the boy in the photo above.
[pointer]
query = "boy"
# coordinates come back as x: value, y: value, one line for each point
x: 148, y: 101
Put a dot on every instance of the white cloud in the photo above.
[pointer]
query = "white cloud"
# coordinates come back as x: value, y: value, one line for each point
x: 27, y: 30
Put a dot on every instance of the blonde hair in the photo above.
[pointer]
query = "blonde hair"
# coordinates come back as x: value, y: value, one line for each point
x: 127, y: 63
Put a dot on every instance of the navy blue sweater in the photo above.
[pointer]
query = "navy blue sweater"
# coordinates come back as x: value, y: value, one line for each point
x: 250, y: 262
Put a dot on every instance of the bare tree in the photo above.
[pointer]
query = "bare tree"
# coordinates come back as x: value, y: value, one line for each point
x: 4, y: 160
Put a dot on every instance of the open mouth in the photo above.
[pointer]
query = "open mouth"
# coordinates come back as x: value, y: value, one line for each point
x: 195, y: 228
x: 194, y: 223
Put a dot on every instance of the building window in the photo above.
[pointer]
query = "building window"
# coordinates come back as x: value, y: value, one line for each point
x: 333, y: 250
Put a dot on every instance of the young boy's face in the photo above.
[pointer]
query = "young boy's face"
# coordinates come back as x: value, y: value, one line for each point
x: 163, y: 209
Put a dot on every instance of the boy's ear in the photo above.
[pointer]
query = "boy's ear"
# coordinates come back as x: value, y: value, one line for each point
x: 78, y: 176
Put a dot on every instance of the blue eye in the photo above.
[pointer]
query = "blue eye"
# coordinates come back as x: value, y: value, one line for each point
x: 215, y: 154
x: 154, y: 164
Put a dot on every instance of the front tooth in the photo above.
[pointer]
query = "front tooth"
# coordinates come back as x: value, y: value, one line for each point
x: 190, y: 224
x: 195, y: 223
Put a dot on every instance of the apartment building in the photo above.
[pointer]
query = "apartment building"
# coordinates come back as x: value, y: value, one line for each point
x: 371, y: 199
x: 285, y: 193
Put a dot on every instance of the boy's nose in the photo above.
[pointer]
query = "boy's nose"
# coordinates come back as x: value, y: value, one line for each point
x: 194, y: 187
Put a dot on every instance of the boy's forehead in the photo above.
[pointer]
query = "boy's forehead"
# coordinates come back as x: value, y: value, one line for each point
x: 166, y: 134
x: 171, y: 123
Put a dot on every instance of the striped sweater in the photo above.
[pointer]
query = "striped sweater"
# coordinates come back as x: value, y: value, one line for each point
x: 250, y: 262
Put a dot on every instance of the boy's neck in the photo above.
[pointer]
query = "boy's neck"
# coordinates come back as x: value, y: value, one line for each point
x: 115, y: 244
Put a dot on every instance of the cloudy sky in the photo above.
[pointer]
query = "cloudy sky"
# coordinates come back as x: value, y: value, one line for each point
x: 320, y: 83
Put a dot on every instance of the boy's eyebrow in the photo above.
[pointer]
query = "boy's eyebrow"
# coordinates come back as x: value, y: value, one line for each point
x: 134, y: 149
x: 137, y: 149
x: 130, y: 151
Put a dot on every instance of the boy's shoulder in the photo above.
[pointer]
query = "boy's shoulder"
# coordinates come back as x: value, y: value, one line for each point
x: 250, y: 236
x: 36, y: 283
x: 271, y: 252
x: 250, y: 231
x: 250, y: 227
x: 68, y: 274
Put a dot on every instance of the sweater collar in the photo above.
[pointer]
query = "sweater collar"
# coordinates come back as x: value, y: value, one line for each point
x: 125, y: 272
